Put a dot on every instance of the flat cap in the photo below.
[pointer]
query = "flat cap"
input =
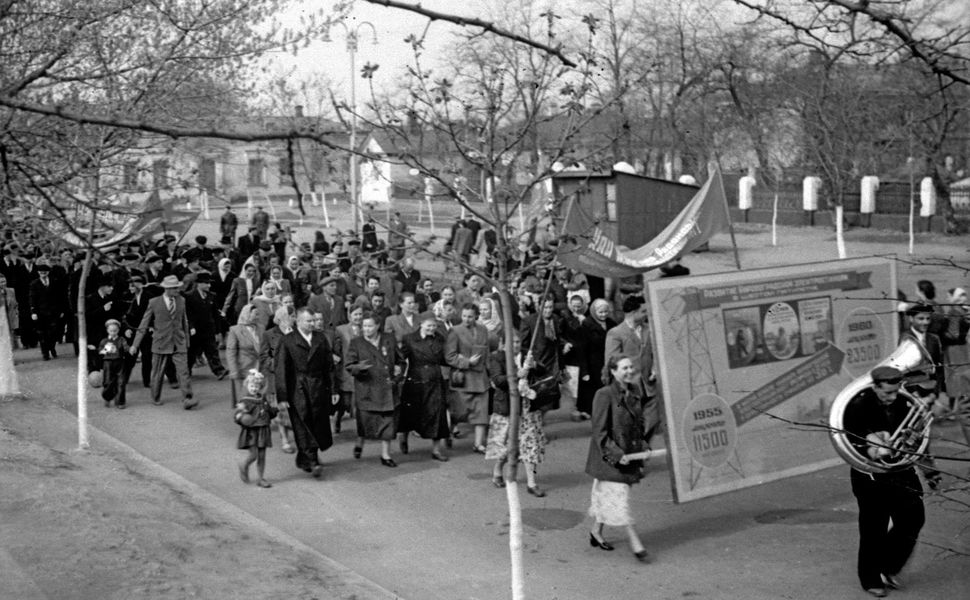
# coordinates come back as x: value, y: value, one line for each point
x: 886, y: 373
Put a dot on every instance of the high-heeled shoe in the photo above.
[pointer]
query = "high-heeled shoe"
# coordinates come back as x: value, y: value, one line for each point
x: 642, y: 556
x: 536, y: 491
x: 598, y: 544
x: 388, y: 462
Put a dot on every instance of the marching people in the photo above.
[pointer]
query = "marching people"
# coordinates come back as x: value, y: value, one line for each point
x: 304, y: 366
x: 423, y: 399
x: 254, y: 413
x: 113, y: 350
x: 244, y: 342
x: 46, y: 308
x: 283, y: 324
x: 375, y: 364
x: 201, y: 309
x: 466, y: 351
x: 615, y: 457
x: 228, y: 223
x: 532, y: 438
x: 891, y: 512
x: 165, y: 315
x: 632, y: 338
x: 343, y: 380
x: 594, y: 330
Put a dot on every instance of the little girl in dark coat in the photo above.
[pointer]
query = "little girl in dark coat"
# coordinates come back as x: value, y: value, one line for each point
x: 254, y: 413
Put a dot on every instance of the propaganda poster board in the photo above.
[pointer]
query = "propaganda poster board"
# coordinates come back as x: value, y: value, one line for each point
x: 743, y: 357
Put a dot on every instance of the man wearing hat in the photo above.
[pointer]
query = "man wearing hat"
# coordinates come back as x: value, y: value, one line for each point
x: 330, y: 305
x: 883, y: 498
x: 99, y: 308
x: 200, y: 306
x: 228, y: 223
x: 247, y: 244
x: 166, y: 316
x: 132, y: 318
x: 155, y: 272
x: 47, y: 306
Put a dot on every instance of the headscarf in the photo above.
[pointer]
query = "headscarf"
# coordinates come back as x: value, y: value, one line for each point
x: 225, y: 266
x: 283, y: 319
x: 291, y: 258
x: 246, y: 316
x: 494, y: 323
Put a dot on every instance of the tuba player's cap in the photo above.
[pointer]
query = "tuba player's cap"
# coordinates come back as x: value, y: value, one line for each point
x: 886, y: 374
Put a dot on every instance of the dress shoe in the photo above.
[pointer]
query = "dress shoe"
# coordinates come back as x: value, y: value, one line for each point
x: 439, y: 457
x: 189, y: 403
x: 878, y: 592
x: 892, y: 582
x: 222, y: 375
x: 498, y: 482
x: 388, y: 462
x: 316, y: 471
x: 604, y: 545
x: 642, y: 556
x: 478, y: 449
x: 264, y: 484
x: 358, y: 451
x: 536, y: 491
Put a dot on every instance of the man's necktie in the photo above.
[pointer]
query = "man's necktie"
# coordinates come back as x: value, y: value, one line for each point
x: 171, y: 308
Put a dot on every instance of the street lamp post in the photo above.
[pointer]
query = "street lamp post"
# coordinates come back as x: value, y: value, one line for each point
x: 352, y: 35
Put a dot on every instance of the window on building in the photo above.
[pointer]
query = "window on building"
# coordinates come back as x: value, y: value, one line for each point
x: 160, y: 176
x: 129, y: 176
x: 257, y: 172
x: 284, y: 169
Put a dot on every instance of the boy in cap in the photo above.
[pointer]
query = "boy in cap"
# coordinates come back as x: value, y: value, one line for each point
x: 897, y: 496
x: 113, y: 351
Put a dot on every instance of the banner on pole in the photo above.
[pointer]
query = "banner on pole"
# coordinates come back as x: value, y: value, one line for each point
x: 586, y: 248
x: 113, y: 227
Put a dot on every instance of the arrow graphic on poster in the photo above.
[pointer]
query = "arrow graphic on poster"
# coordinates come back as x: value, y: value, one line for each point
x: 822, y: 365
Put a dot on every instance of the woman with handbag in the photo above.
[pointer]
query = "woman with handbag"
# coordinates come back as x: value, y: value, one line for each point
x: 616, y: 452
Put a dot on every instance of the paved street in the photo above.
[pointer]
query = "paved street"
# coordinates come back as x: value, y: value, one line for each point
x: 428, y: 530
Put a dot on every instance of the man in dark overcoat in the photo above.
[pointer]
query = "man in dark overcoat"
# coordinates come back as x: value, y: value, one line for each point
x: 304, y: 366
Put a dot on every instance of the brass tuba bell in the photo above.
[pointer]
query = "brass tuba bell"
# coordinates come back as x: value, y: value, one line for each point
x: 909, y: 441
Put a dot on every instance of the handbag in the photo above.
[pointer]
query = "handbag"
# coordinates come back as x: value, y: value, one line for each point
x: 457, y: 378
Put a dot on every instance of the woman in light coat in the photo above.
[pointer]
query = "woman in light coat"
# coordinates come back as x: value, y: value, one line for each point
x: 243, y: 342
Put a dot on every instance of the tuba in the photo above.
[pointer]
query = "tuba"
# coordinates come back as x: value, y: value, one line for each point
x: 911, y: 438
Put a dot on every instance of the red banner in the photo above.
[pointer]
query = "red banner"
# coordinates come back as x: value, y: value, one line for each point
x: 589, y: 250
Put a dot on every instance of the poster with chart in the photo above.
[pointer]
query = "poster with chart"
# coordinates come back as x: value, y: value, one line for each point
x: 750, y: 361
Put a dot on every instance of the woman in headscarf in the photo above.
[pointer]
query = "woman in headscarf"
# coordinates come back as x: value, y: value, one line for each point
x: 276, y: 277
x: 243, y: 344
x: 265, y: 305
x: 488, y: 315
x: 221, y: 283
x: 282, y: 324
x: 595, y: 328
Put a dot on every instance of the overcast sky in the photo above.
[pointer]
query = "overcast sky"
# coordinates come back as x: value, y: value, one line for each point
x: 391, y: 52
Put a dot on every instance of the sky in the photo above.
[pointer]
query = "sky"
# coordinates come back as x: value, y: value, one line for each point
x: 390, y: 27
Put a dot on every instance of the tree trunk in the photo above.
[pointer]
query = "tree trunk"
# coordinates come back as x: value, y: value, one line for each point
x: 82, y: 356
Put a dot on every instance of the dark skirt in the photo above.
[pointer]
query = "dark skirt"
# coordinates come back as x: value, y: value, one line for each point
x: 377, y: 425
x: 424, y: 410
x: 258, y: 437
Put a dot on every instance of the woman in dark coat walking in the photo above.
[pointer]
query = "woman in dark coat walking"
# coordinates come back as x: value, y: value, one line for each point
x: 423, y: 405
x: 616, y: 452
x: 375, y: 363
x: 594, y: 331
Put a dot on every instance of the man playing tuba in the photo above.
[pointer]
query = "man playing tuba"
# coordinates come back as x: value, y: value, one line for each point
x: 872, y: 422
